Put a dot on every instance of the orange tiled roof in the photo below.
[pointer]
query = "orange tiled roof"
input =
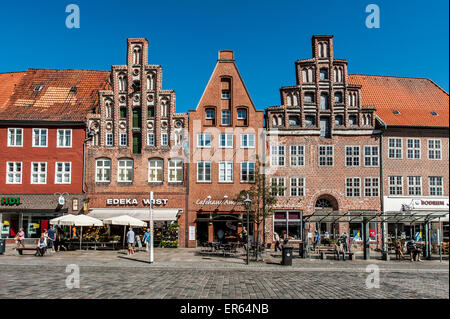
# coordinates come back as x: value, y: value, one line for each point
x: 414, y: 98
x: 7, y: 84
x: 55, y: 101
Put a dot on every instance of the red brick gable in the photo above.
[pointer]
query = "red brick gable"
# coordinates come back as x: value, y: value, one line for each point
x: 414, y: 98
x: 55, y: 101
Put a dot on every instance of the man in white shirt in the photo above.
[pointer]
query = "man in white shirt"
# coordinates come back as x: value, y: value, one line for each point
x: 130, y: 241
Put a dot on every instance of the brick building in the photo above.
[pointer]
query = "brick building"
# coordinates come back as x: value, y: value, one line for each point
x: 224, y: 139
x: 42, y: 133
x: 137, y: 144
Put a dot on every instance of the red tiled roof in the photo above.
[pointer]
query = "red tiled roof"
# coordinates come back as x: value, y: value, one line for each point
x: 7, y: 84
x: 55, y: 101
x: 414, y: 98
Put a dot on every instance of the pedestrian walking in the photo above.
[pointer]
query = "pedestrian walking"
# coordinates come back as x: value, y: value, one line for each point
x: 130, y: 240
x: 147, y: 239
x: 277, y: 241
x: 51, y: 238
x: 20, y: 238
x: 316, y: 240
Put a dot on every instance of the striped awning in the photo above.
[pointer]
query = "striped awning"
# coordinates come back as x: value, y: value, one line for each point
x: 159, y: 214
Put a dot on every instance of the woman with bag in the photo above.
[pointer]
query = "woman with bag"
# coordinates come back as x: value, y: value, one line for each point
x: 20, y: 238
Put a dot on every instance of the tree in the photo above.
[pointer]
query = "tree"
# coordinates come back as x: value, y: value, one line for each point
x: 263, y: 200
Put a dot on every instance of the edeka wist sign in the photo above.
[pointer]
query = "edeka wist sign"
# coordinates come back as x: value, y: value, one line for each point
x: 10, y: 201
x: 135, y: 202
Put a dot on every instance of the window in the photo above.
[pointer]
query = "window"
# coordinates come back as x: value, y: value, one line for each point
x: 204, y: 172
x: 325, y: 130
x: 338, y: 97
x: 277, y: 155
x: 395, y: 185
x: 436, y: 187
x: 352, y: 120
x: 204, y: 140
x: 225, y: 94
x: 241, y: 114
x: 323, y: 74
x: 434, y: 149
x: 289, y: 223
x: 310, y: 120
x: 370, y: 155
x: 338, y: 120
x: 277, y: 186
x: 39, y: 137
x: 226, y: 172
x: 371, y: 187
x: 137, y: 118
x: 413, y: 148
x: 324, y: 101
x: 352, y: 156
x: 325, y: 155
x: 15, y: 137
x: 123, y: 139
x: 125, y: 170
x: 294, y: 120
x: 38, y: 173
x: 247, y: 172
x: 109, y: 139
x: 353, y: 187
x: 164, y: 139
x: 297, y: 155
x: 309, y: 97
x: 414, y: 185
x: 151, y: 111
x: 155, y: 170
x: 151, y: 139
x: 226, y: 120
x: 297, y: 186
x: 395, y: 147
x: 123, y: 112
x: 103, y: 170
x: 247, y: 140
x: 64, y: 138
x: 210, y: 114
x: 62, y: 172
x: 226, y: 140
x: 14, y: 173
x: 175, y: 170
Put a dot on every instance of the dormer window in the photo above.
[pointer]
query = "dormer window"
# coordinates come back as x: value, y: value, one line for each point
x: 396, y: 112
x: 73, y: 89
x: 225, y: 94
x: 434, y: 113
x: 37, y: 88
x: 323, y: 74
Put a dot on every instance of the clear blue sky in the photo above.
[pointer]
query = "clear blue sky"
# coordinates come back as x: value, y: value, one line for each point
x: 267, y: 37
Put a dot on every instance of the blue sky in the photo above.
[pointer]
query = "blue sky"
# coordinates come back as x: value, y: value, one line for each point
x: 267, y: 37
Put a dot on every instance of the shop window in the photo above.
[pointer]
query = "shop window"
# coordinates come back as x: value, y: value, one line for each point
x: 155, y: 170
x: 175, y: 170
x: 288, y: 224
x: 103, y: 170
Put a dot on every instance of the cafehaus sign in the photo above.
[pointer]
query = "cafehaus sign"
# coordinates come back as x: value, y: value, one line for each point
x: 134, y: 201
x: 10, y: 201
x: 217, y: 202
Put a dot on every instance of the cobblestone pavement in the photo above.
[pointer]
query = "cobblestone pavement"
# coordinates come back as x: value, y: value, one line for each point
x: 183, y: 274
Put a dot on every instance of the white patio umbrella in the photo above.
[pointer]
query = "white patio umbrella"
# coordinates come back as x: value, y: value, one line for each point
x: 124, y: 220
x: 77, y: 220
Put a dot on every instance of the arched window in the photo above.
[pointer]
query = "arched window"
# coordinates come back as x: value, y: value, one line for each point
x: 137, y: 55
x: 274, y: 121
x: 151, y: 81
x: 122, y: 82
x: 155, y: 170
x: 324, y: 101
x: 323, y: 74
x: 305, y: 75
x: 294, y: 99
x: 175, y: 170
x: 323, y: 203
x: 108, y: 109
x: 280, y: 120
x: 125, y: 170
x: 288, y: 100
x: 311, y: 77
x: 164, y: 108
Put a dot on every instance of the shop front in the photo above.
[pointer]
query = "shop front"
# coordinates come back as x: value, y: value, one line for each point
x: 32, y: 212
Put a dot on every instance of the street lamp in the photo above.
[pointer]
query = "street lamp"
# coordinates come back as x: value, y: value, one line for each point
x: 248, y: 202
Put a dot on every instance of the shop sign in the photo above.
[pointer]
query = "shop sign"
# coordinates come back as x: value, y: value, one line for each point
x: 217, y: 202
x: 5, y: 229
x: 372, y: 233
x: 134, y: 201
x: 10, y: 201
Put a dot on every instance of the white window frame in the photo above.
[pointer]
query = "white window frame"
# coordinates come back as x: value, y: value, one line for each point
x: 14, y: 172
x: 164, y: 139
x: 201, y: 140
x: 63, y: 172
x: 151, y: 138
x: 227, y: 176
x: 223, y: 117
x: 352, y: 156
x: 120, y: 139
x: 206, y: 114
x: 39, y: 137
x: 102, y: 168
x: 395, y: 148
x: 174, y: 168
x: 397, y: 186
x: 437, y: 187
x: 326, y: 155
x: 32, y: 173
x: 277, y: 180
x: 202, y: 178
x: 352, y: 187
x: 414, y: 185
x: 413, y: 149
x: 371, y: 187
x: 106, y: 139
x: 126, y: 160
x: 247, y: 165
x: 227, y: 137
x: 15, y: 137
x: 371, y: 156
x: 250, y: 141
x: 275, y: 157
x: 299, y: 189
x: 58, y: 134
x: 297, y: 152
x: 157, y: 169
x: 225, y: 94
x: 434, y: 150
x: 239, y: 117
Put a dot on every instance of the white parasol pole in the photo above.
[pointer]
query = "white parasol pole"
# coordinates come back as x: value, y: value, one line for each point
x: 151, y: 227
x: 81, y: 235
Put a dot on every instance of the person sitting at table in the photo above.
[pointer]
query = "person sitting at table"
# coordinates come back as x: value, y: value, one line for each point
x: 41, y: 246
x: 339, y: 248
x: 398, y: 249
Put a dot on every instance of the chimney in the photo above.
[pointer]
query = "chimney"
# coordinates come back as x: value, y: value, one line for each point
x: 226, y: 55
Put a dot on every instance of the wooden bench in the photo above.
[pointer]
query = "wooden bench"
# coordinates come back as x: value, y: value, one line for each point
x: 324, y: 253
x: 20, y: 250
